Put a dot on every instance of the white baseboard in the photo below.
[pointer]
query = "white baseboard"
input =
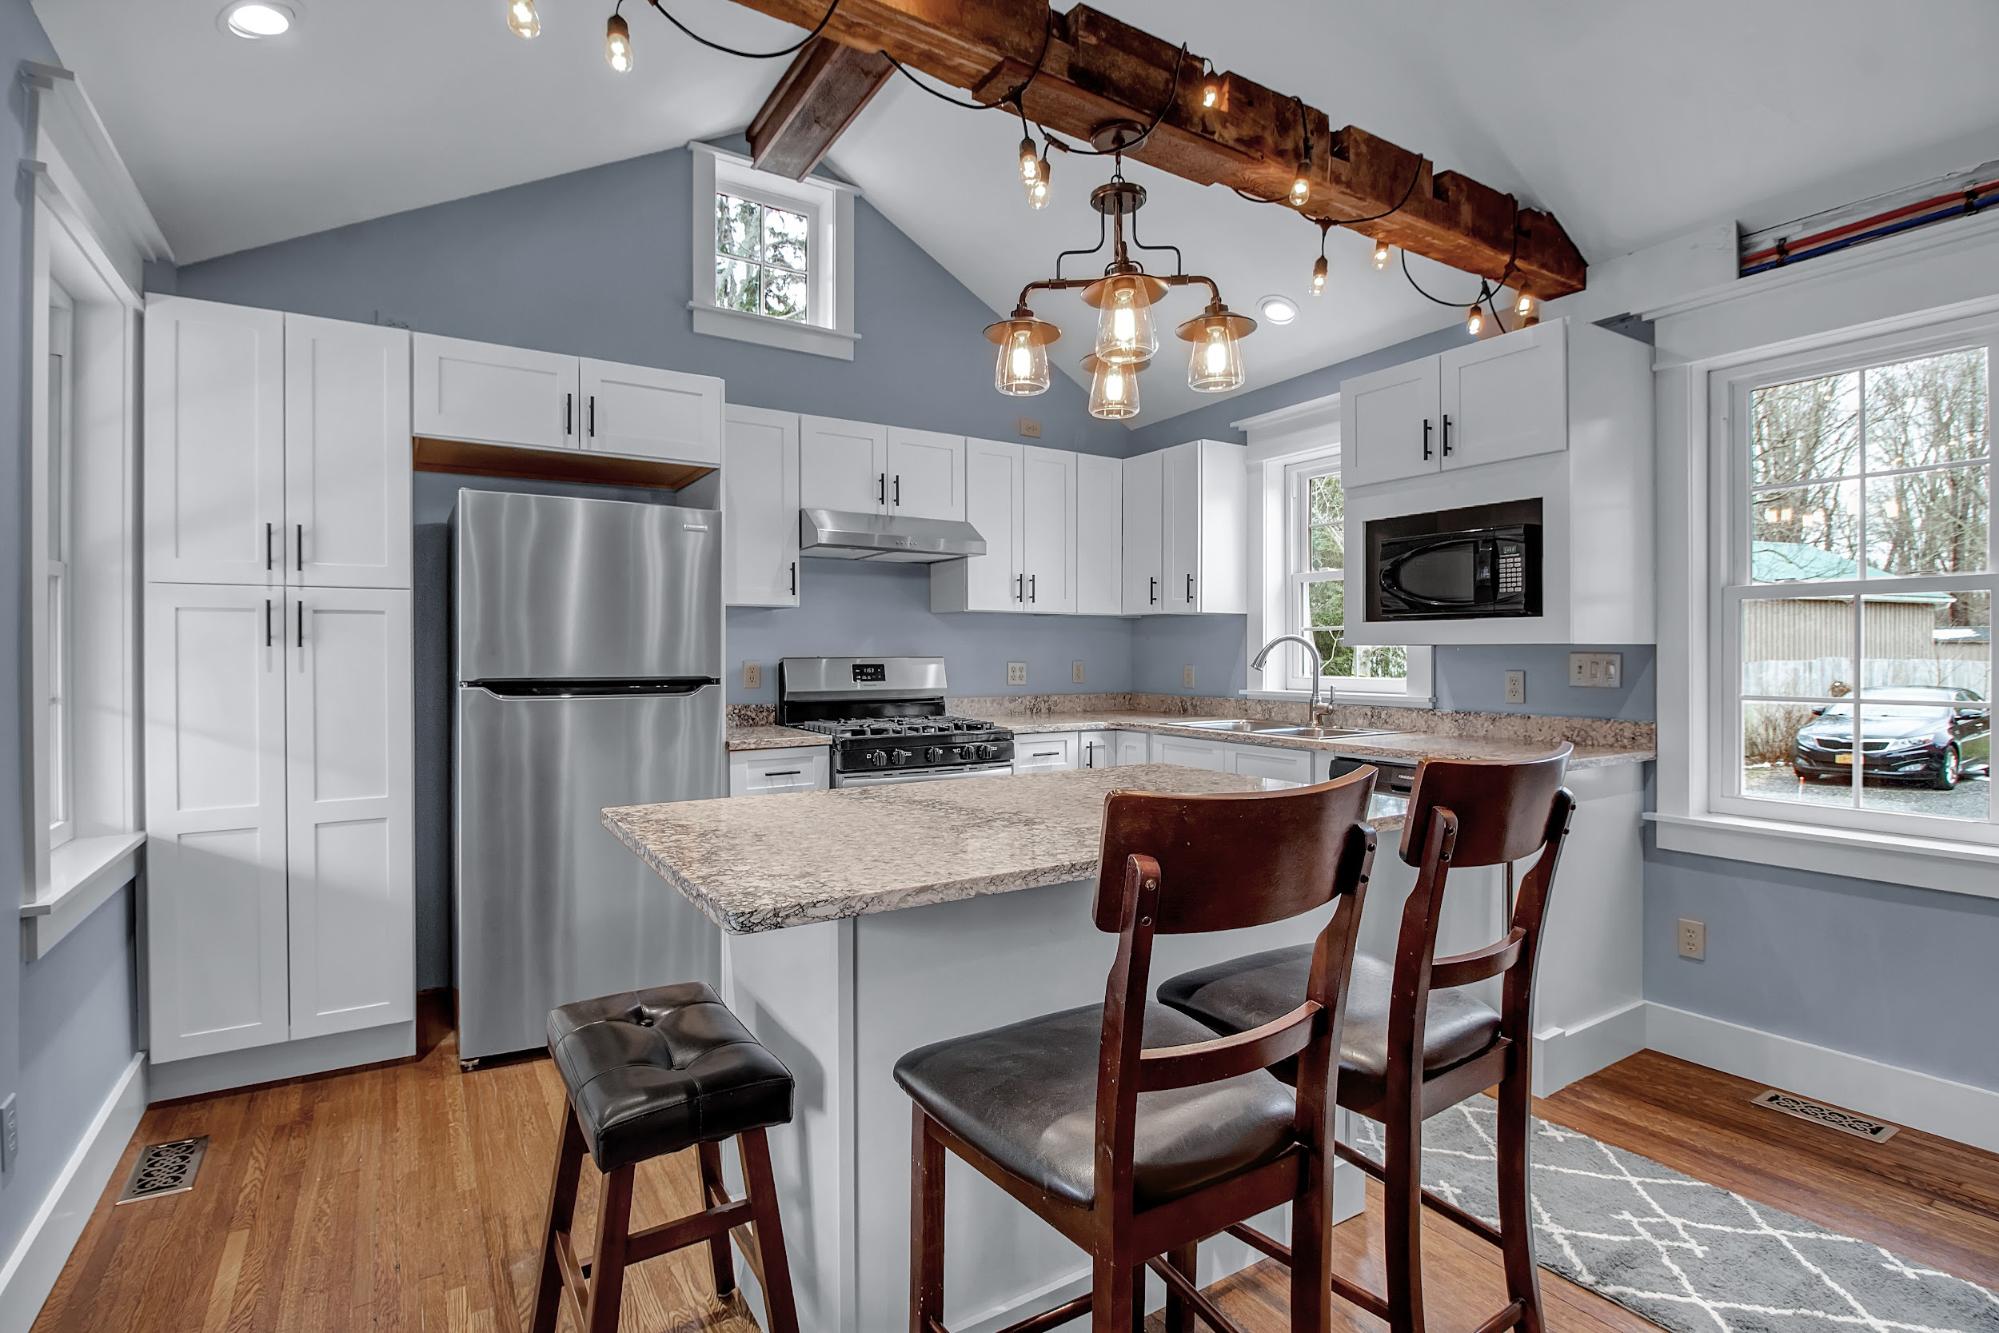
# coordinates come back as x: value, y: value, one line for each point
x: 32, y: 1269
x: 203, y: 1074
x: 1909, y: 1097
x: 1563, y: 1055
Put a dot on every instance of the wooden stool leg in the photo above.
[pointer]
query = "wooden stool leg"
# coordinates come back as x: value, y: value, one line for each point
x: 779, y: 1309
x: 1179, y: 1314
x: 926, y: 1226
x: 1110, y: 1298
x: 1402, y: 1213
x: 561, y: 1214
x: 1516, y: 1226
x: 607, y: 1270
x: 712, y: 1192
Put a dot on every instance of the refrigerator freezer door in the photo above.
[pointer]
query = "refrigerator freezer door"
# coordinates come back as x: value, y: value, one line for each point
x: 551, y: 907
x: 554, y: 588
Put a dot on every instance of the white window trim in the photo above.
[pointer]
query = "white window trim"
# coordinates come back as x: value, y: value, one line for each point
x: 828, y: 204
x: 58, y: 470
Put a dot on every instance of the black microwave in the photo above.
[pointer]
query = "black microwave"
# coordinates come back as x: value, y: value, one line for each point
x: 1464, y: 575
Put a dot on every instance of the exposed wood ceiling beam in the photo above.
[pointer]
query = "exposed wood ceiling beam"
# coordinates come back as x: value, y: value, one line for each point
x: 1096, y: 69
x: 825, y: 87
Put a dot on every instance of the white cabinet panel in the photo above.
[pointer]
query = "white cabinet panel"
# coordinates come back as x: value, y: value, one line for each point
x: 993, y: 581
x: 1144, y: 536
x: 926, y: 474
x: 642, y: 412
x: 1045, y: 752
x: 493, y: 394
x: 1099, y: 536
x: 1048, y: 528
x: 1252, y: 761
x: 346, y: 454
x: 215, y: 818
x: 1389, y: 424
x: 760, y: 508
x: 215, y: 459
x: 776, y: 772
x: 1131, y: 747
x: 1504, y: 398
x: 350, y: 796
x: 842, y: 465
x: 1096, y: 749
x: 1211, y: 755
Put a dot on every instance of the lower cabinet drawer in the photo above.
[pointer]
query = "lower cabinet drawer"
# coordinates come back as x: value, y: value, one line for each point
x: 1045, y: 751
x: 775, y: 772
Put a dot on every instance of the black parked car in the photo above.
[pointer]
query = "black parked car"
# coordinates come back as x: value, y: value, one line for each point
x: 1915, y: 741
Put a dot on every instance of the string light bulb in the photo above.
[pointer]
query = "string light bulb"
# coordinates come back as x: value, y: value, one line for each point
x: 1301, y: 191
x: 1028, y: 160
x: 1474, y: 319
x: 1528, y: 310
x: 1211, y: 88
x: 522, y: 19
x: 1037, y: 188
x: 1383, y: 252
x: 1301, y: 186
x: 618, y: 44
x: 1319, y: 269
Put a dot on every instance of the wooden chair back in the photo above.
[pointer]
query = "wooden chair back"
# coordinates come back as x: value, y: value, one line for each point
x: 1510, y: 802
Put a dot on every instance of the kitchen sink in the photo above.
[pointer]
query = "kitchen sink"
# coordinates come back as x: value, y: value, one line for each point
x: 1242, y: 725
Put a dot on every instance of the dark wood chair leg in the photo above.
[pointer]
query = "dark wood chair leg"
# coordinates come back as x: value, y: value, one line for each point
x: 926, y: 1226
x: 1515, y: 1132
x: 712, y: 1191
x: 607, y: 1269
x: 561, y: 1215
x: 780, y: 1310
x: 1311, y: 1257
x: 1402, y: 1220
x: 1111, y: 1297
x: 1138, y: 1299
x: 1179, y: 1314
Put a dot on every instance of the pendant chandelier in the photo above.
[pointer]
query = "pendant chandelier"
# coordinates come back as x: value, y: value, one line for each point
x: 1127, y: 334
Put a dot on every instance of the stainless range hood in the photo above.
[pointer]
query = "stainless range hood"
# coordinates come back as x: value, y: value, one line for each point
x: 837, y: 534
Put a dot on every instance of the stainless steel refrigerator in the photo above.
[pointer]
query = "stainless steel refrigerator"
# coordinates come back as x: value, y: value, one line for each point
x: 588, y: 656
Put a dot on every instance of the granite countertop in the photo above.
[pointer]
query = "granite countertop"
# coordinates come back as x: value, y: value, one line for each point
x: 754, y: 863
x: 743, y: 737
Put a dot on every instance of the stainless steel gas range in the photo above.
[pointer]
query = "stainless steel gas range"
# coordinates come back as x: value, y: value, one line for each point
x: 887, y: 720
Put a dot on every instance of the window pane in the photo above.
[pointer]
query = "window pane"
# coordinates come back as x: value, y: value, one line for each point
x: 1928, y: 645
x: 1325, y: 514
x: 1929, y: 522
x: 784, y: 238
x: 1799, y: 646
x: 736, y: 231
x: 1326, y: 603
x: 1792, y: 753
x: 784, y: 294
x: 1805, y: 534
x: 1805, y: 430
x: 1379, y: 662
x: 1929, y: 411
x: 737, y: 285
x: 1923, y: 760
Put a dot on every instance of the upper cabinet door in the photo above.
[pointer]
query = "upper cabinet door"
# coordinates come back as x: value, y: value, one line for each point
x: 760, y: 508
x: 1099, y: 529
x: 215, y: 818
x: 1181, y: 590
x: 215, y: 456
x: 1506, y: 397
x: 1048, y: 528
x: 645, y: 413
x: 1144, y: 533
x: 1390, y: 425
x: 347, y: 454
x: 926, y: 474
x: 842, y: 465
x: 352, y: 883
x: 493, y: 394
x: 993, y: 506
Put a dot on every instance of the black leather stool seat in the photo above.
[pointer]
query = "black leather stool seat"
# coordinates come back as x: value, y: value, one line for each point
x: 1025, y: 1095
x: 655, y: 1071
x: 1243, y: 993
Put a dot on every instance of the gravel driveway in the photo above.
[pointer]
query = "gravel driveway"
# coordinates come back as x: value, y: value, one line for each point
x: 1971, y: 800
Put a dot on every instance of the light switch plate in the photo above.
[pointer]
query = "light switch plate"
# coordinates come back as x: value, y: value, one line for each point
x: 1516, y: 687
x: 1187, y: 677
x: 1596, y: 670
x: 1076, y: 673
x: 1016, y: 673
x: 10, y: 1133
x: 1029, y: 428
x: 1693, y: 938
x: 753, y: 675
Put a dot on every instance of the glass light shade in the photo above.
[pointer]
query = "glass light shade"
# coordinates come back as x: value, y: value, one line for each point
x: 1113, y: 389
x: 1124, y: 321
x: 522, y: 19
x: 1022, y: 371
x: 618, y: 45
x: 1216, y: 363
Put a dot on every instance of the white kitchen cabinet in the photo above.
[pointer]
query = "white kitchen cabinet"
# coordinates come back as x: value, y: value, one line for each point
x: 350, y: 798
x: 645, y: 412
x: 1096, y: 749
x: 1143, y: 535
x: 1190, y: 753
x: 1388, y: 424
x: 1201, y: 531
x: 859, y: 467
x: 346, y: 454
x: 1044, y: 752
x: 1048, y: 527
x: 492, y: 394
x: 215, y: 433
x: 1504, y: 397
x: 1022, y: 499
x: 215, y: 920
x: 760, y: 508
x: 1264, y: 761
x: 1131, y: 747
x: 1099, y: 535
x: 926, y: 474
x: 776, y: 772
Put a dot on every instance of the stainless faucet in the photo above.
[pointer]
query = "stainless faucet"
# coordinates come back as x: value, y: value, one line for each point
x: 1319, y: 711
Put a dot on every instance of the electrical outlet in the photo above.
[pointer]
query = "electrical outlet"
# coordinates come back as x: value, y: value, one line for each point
x: 1029, y: 428
x: 1516, y: 687
x: 1186, y: 677
x: 753, y: 675
x: 1016, y: 673
x: 1693, y: 938
x: 1596, y: 670
x: 1075, y: 673
x: 10, y: 1133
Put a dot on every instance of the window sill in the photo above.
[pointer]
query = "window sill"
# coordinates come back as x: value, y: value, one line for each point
x: 83, y: 873
x: 1924, y: 863
x: 1356, y: 697
x: 721, y: 322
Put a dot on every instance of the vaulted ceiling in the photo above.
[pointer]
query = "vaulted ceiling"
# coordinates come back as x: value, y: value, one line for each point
x: 1629, y: 122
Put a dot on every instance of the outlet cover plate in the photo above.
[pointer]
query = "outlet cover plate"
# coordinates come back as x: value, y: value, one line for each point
x: 1516, y: 687
x: 1075, y: 673
x: 1186, y: 677
x: 10, y: 1132
x: 1016, y: 673
x: 1601, y: 671
x: 1693, y: 939
x: 753, y: 675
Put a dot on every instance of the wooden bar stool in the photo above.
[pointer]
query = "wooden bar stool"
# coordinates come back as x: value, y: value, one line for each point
x: 649, y: 1074
x: 1129, y: 1128
x: 1415, y: 1043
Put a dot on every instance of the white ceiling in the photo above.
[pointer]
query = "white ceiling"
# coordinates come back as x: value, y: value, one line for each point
x: 1629, y: 122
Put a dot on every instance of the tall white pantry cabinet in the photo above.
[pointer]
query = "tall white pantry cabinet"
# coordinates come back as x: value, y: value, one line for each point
x: 278, y: 713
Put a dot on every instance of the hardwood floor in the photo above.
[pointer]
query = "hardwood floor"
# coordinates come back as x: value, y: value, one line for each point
x: 410, y: 1197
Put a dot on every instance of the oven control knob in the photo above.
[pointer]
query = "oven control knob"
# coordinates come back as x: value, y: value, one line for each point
x: 980, y: 751
x: 933, y: 755
x: 875, y: 759
x: 898, y: 756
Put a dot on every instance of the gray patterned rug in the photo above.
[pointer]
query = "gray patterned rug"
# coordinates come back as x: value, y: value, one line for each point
x: 1687, y: 1255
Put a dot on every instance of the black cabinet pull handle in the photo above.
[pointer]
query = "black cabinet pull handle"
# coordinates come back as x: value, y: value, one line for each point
x: 1019, y: 582
x: 267, y: 544
x: 1426, y: 439
x: 783, y: 773
x: 881, y: 488
x: 898, y: 490
x: 1190, y: 587
x: 568, y: 415
x: 301, y: 624
x: 1044, y: 754
x: 1152, y: 591
x: 593, y: 416
x: 794, y: 578
x: 301, y: 548
x: 1090, y: 755
x: 1032, y: 596
x: 267, y: 622
x: 1447, y: 434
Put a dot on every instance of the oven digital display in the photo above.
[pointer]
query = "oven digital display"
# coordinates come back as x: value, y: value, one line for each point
x: 870, y: 673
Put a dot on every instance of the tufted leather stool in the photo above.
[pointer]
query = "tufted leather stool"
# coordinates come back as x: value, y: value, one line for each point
x: 651, y: 1073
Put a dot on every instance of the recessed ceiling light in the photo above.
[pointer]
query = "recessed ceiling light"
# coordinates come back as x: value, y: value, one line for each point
x: 257, y: 19
x: 1278, y: 309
